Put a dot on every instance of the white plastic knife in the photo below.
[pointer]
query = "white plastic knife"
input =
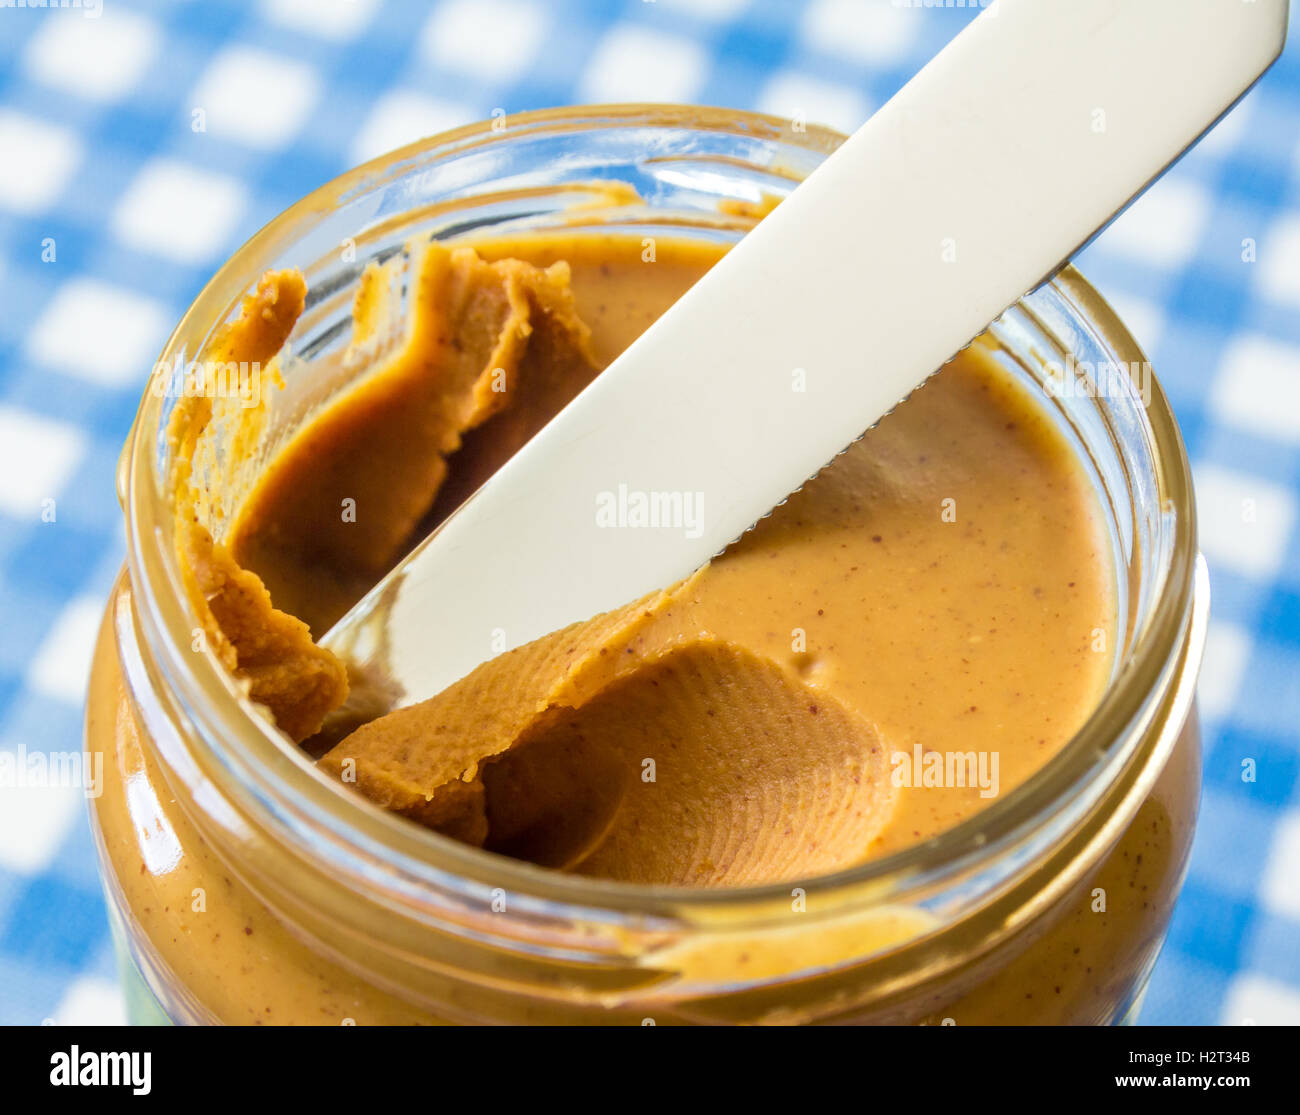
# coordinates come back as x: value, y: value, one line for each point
x: 1022, y: 139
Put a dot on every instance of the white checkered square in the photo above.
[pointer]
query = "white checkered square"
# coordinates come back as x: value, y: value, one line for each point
x: 99, y: 333
x: 39, y: 159
x: 33, y: 823
x: 1257, y: 388
x: 255, y: 97
x: 492, y: 40
x: 1245, y: 521
x: 177, y: 211
x: 99, y: 59
x: 639, y: 64
x: 37, y: 458
x: 872, y: 34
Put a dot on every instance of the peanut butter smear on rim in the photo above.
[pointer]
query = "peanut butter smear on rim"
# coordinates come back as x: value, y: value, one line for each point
x: 911, y: 635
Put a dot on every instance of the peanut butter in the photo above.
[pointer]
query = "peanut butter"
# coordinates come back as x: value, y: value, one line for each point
x: 916, y: 631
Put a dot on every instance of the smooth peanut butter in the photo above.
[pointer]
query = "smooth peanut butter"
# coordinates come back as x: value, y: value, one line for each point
x: 912, y: 634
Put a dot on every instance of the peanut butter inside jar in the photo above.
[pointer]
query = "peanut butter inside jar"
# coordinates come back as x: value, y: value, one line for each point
x: 915, y: 632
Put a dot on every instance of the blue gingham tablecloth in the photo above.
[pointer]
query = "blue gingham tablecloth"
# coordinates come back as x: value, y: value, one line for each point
x: 142, y: 141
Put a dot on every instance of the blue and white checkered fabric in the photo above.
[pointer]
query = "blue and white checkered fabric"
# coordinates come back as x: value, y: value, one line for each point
x: 115, y: 207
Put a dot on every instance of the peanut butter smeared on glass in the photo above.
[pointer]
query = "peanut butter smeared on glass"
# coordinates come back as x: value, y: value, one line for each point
x: 911, y: 635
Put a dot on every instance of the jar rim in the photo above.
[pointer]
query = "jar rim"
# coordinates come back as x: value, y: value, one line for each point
x: 250, y: 760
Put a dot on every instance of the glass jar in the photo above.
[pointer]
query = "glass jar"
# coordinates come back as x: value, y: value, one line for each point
x: 244, y: 888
